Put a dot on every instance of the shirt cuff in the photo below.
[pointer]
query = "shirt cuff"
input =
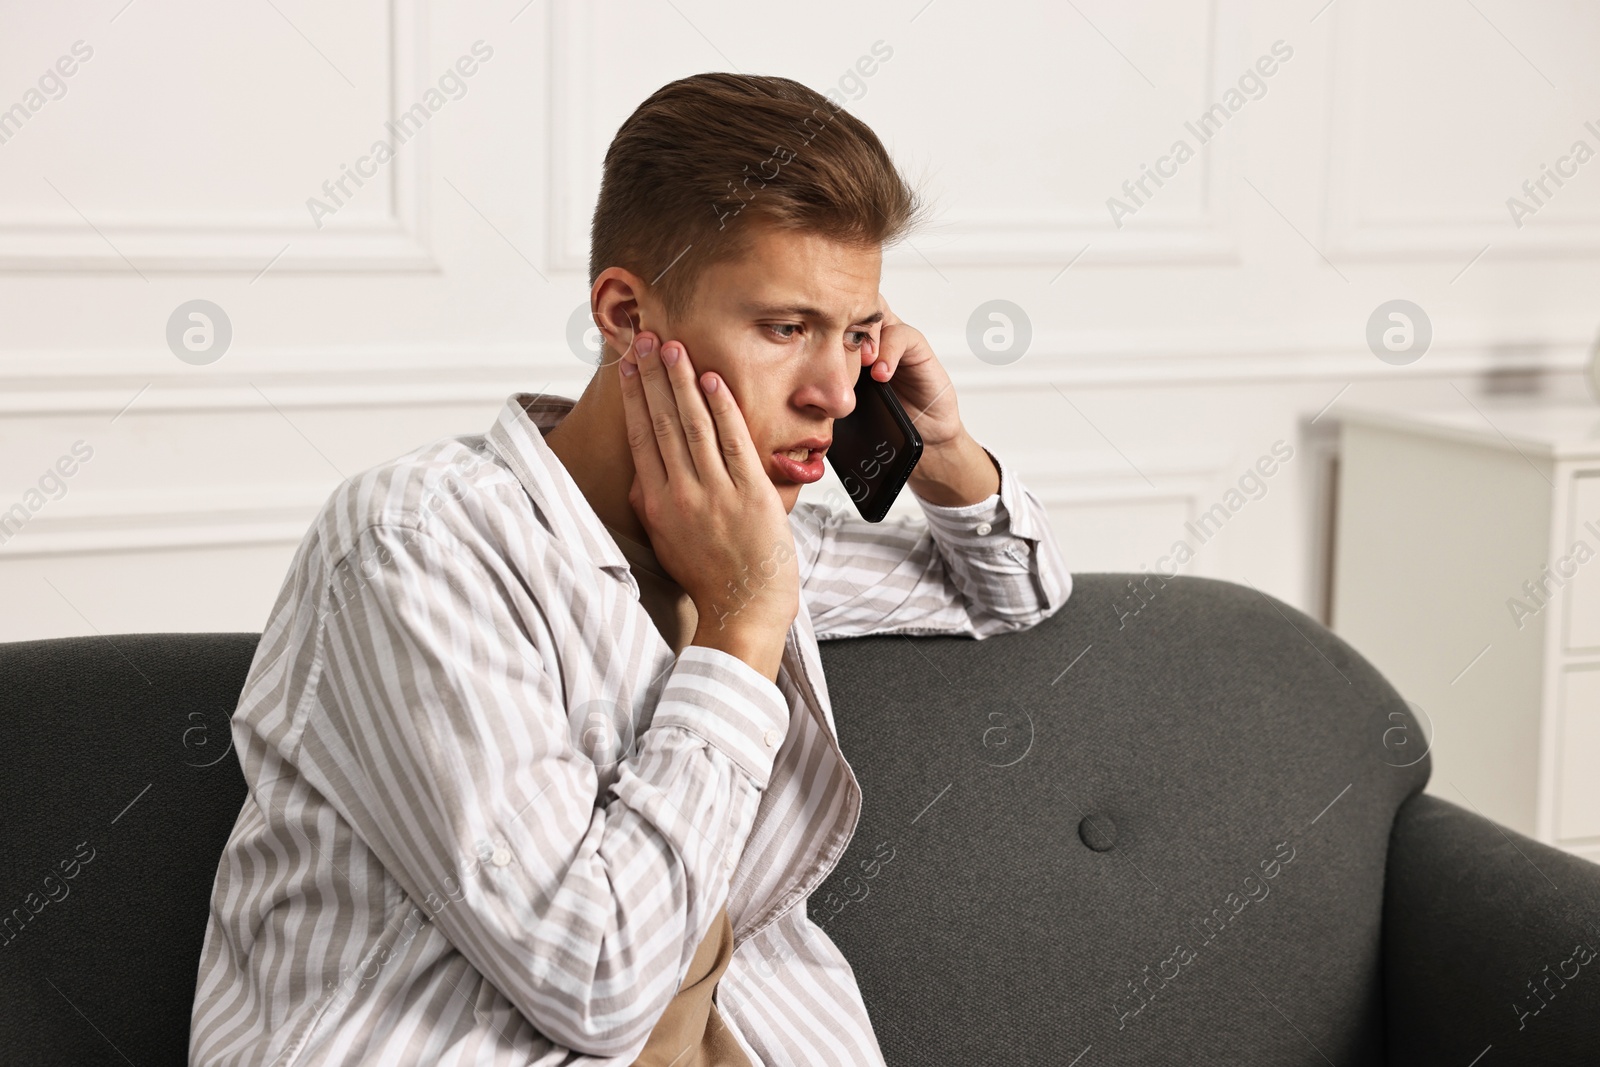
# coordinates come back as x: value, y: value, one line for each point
x: 731, y: 705
x: 986, y: 524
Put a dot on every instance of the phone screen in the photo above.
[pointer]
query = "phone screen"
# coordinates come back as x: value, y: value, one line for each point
x: 874, y: 448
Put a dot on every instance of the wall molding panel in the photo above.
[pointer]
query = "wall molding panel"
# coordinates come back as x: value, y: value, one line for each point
x: 110, y: 239
x: 1018, y: 235
x: 85, y: 383
x: 1229, y: 311
x: 1353, y: 231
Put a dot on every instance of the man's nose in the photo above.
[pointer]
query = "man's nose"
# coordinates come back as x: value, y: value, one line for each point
x: 833, y: 391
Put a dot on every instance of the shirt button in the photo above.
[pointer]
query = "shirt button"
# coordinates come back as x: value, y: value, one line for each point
x: 984, y: 528
x: 771, y: 737
x: 729, y: 864
x: 501, y: 857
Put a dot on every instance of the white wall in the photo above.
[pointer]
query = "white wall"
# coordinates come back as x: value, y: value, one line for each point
x: 1168, y: 353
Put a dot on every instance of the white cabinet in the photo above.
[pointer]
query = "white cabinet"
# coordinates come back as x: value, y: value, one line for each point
x: 1467, y: 569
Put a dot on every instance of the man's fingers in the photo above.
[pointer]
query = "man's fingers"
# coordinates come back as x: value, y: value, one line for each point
x: 870, y: 351
x: 892, y: 347
x: 738, y: 451
x: 641, y: 435
x: 694, y: 417
x: 664, y: 419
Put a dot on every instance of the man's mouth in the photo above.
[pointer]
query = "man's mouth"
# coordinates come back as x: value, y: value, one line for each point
x: 801, y: 462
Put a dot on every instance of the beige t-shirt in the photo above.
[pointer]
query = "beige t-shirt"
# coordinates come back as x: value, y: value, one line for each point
x: 690, y: 1020
x: 668, y: 605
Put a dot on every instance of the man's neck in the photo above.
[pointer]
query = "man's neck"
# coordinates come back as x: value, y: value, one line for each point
x: 592, y: 443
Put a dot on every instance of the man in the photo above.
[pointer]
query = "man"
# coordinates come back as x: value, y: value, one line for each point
x: 542, y: 762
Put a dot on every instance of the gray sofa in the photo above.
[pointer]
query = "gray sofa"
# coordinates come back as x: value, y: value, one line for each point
x: 1179, y: 823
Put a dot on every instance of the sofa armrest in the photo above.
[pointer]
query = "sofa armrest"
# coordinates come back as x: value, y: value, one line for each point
x: 1489, y: 939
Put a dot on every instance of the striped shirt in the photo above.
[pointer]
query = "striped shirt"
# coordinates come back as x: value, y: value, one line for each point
x: 492, y: 816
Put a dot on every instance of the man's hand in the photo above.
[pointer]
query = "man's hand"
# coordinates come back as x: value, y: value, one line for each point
x: 714, y: 518
x: 954, y: 469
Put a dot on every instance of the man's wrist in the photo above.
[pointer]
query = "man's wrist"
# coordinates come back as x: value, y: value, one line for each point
x: 728, y: 703
x: 956, y: 474
x: 758, y: 645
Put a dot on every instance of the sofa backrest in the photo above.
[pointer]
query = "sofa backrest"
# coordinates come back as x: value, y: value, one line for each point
x: 119, y: 791
x: 1155, y: 825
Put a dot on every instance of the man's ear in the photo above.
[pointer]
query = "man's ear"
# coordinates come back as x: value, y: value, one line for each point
x: 614, y: 304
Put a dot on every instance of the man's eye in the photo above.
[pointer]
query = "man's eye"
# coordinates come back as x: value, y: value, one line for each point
x: 862, y: 337
x: 784, y: 326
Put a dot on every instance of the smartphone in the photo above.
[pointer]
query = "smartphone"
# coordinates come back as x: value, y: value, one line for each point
x: 874, y: 448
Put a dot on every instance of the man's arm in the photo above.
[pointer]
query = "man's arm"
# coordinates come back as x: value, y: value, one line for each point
x: 979, y: 569
x: 983, y: 562
x: 956, y: 475
x: 444, y: 733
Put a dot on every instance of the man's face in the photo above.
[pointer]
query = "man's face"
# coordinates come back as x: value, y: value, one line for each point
x: 784, y: 326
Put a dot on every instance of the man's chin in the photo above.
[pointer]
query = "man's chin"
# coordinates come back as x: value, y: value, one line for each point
x: 789, y: 493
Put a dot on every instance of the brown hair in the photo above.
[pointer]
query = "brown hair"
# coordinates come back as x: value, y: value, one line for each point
x: 706, y: 156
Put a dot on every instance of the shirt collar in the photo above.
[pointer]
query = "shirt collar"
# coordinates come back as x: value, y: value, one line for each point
x: 517, y: 436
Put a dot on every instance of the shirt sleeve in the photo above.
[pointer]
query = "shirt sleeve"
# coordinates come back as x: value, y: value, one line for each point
x: 977, y: 570
x: 444, y: 739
